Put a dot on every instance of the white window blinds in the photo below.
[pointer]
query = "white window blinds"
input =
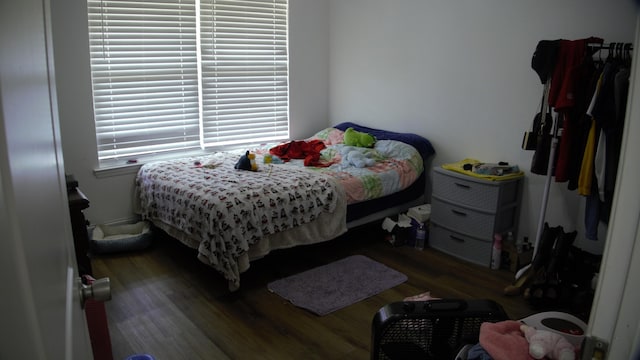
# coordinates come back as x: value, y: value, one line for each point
x: 165, y: 80
x: 244, y: 71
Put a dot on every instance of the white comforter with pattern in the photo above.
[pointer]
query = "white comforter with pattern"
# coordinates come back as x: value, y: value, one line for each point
x: 222, y: 211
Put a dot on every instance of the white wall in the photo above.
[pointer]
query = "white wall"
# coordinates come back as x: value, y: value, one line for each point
x: 458, y: 72
x: 111, y: 197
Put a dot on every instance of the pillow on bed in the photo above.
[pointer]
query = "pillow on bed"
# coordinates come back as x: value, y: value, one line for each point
x: 329, y: 136
x: 423, y: 145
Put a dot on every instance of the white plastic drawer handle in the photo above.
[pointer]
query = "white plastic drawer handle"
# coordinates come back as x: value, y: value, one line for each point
x: 457, y: 212
x: 463, y: 186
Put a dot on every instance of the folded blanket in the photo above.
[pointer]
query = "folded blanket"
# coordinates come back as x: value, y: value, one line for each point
x: 459, y: 167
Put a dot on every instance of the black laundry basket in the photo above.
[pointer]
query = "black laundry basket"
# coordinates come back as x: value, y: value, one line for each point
x: 434, y: 329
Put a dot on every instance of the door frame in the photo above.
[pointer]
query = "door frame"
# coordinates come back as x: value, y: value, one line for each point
x: 614, y: 314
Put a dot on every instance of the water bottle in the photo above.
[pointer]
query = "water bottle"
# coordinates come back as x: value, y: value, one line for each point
x: 496, y: 252
x: 421, y: 235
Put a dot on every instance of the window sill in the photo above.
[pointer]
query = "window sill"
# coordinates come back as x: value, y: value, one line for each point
x: 111, y: 171
x: 118, y: 168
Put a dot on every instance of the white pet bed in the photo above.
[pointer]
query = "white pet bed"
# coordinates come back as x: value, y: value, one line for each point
x: 118, y: 238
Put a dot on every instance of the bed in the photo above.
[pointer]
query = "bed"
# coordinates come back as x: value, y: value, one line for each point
x: 233, y: 217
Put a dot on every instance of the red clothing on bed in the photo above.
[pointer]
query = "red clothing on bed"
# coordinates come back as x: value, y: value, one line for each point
x: 299, y: 149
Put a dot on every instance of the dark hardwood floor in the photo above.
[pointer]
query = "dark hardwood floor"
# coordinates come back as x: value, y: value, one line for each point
x: 168, y: 304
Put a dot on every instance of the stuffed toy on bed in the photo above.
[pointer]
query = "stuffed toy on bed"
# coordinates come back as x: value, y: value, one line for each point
x: 247, y: 162
x: 357, y: 138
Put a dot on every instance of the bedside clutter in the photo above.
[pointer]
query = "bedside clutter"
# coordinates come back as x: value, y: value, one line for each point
x: 516, y: 256
x: 411, y: 229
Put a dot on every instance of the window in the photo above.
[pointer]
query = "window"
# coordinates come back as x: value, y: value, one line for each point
x: 184, y: 75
